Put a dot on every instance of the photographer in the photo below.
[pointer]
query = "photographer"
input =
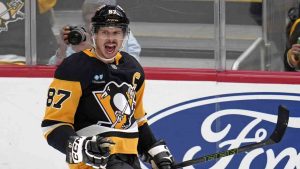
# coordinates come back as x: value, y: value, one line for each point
x: 79, y: 39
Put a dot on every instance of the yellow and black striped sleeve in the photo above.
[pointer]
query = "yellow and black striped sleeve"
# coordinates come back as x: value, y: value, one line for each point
x: 146, y: 137
x: 63, y: 98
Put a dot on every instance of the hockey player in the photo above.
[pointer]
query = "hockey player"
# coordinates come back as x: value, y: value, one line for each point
x: 94, y: 112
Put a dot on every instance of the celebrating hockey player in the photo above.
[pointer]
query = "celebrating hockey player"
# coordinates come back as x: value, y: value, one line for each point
x: 94, y: 112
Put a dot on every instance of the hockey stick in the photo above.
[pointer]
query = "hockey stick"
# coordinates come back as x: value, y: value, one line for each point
x: 276, y: 136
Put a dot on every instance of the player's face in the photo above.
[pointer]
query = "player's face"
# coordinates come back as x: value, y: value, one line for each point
x: 108, y: 41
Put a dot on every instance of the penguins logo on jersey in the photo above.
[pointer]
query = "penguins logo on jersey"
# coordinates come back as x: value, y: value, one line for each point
x: 118, y: 104
x: 10, y: 12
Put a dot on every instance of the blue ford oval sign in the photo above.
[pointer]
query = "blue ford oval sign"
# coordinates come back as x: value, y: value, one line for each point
x: 212, y: 124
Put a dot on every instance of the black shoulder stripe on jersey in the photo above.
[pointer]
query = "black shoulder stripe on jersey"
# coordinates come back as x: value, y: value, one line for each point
x: 46, y: 123
x: 120, y: 134
x: 129, y: 57
x: 74, y: 67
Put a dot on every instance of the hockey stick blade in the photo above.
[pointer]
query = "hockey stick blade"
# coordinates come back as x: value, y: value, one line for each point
x: 276, y: 136
x: 282, y: 122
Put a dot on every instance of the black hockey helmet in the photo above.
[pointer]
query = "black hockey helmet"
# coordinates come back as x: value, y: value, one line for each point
x: 109, y: 15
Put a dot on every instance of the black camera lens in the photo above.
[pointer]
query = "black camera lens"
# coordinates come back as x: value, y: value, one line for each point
x: 77, y: 35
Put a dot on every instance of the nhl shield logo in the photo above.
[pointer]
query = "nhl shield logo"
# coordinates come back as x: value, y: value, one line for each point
x: 10, y: 12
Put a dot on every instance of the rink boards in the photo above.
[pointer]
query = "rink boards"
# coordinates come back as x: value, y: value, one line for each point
x: 197, y: 112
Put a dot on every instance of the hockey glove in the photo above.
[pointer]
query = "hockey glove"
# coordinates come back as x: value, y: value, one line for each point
x: 160, y: 156
x: 93, y: 151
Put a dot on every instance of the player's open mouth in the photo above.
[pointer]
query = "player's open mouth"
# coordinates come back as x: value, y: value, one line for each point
x: 110, y: 48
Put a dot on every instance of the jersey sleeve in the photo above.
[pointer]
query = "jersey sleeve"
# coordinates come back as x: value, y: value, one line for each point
x: 140, y: 113
x: 62, y: 101
x: 146, y: 136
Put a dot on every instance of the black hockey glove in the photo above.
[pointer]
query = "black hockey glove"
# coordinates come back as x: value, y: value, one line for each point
x: 160, y: 156
x: 93, y: 151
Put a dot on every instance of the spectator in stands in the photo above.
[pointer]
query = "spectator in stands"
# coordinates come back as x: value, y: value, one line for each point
x: 292, y: 53
x: 12, y: 32
x: 66, y: 49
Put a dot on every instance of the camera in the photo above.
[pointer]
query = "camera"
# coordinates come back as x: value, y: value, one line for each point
x: 76, y: 35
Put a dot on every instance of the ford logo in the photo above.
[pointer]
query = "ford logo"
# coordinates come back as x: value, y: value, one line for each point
x: 216, y: 123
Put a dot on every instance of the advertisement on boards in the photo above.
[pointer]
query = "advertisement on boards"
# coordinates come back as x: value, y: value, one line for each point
x: 232, y: 116
x: 195, y: 118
